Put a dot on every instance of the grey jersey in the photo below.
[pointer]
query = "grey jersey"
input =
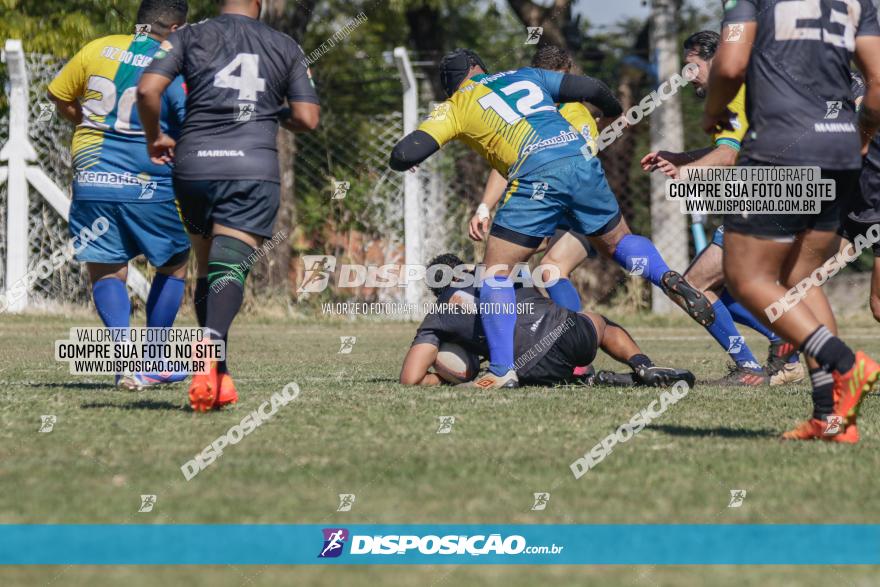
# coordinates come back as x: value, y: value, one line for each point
x: 872, y: 160
x: 798, y: 99
x: 239, y: 74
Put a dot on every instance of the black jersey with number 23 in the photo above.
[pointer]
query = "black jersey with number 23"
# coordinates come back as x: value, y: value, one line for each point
x: 798, y: 99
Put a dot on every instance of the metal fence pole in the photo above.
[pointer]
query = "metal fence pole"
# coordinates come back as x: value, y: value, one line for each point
x: 17, y: 152
x: 668, y: 225
x: 412, y: 220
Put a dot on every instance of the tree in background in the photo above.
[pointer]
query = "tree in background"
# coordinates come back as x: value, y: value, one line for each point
x: 62, y: 27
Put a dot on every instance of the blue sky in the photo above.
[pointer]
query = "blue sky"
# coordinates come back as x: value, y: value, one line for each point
x: 606, y: 12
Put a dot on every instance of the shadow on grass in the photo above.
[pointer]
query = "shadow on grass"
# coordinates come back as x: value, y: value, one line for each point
x: 66, y: 385
x: 141, y: 404
x: 720, y: 432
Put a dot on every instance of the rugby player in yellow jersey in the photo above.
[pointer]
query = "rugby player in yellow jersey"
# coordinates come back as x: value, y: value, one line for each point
x: 511, y: 119
x: 566, y: 249
x: 116, y: 183
x: 706, y: 272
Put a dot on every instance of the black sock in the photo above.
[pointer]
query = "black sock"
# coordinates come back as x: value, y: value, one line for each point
x: 829, y: 351
x: 228, y: 266
x: 639, y: 360
x: 200, y: 300
x: 823, y: 393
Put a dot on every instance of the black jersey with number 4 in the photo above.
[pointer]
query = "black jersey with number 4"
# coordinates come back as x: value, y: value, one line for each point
x: 239, y: 73
x: 798, y: 99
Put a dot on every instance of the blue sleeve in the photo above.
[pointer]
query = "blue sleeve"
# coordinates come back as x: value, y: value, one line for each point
x: 550, y: 81
x: 174, y: 107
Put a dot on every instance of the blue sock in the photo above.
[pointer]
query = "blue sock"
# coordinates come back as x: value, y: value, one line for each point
x: 498, y: 317
x: 564, y: 294
x: 166, y: 293
x: 639, y: 256
x: 724, y: 331
x: 111, y: 301
x: 744, y: 317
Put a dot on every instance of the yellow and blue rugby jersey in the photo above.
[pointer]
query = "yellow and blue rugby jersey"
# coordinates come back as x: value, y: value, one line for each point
x: 734, y: 138
x: 509, y: 118
x: 109, y: 150
x: 582, y: 120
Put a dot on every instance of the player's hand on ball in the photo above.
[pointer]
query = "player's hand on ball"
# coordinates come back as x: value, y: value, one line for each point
x: 162, y: 149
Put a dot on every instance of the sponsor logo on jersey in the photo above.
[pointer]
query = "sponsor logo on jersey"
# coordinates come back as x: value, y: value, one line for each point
x: 563, y: 138
x: 219, y: 153
x: 534, y: 327
x: 834, y: 127
x: 125, y: 56
x: 110, y: 179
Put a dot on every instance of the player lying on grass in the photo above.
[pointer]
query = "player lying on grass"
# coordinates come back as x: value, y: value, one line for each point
x: 706, y: 272
x: 767, y: 254
x: 243, y: 78
x: 511, y: 119
x: 549, y: 340
x: 114, y: 178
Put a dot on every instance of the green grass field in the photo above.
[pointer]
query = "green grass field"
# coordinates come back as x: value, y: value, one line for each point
x: 353, y: 429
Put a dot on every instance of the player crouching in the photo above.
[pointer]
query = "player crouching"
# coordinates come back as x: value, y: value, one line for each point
x: 549, y: 340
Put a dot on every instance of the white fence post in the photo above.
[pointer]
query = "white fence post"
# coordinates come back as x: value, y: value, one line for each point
x: 17, y: 153
x: 412, y: 219
x: 668, y: 225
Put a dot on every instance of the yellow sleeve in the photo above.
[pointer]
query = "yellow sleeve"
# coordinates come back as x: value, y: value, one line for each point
x: 580, y: 118
x: 733, y: 138
x: 70, y: 83
x: 442, y: 123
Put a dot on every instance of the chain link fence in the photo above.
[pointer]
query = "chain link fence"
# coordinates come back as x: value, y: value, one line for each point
x: 47, y: 231
x: 343, y: 200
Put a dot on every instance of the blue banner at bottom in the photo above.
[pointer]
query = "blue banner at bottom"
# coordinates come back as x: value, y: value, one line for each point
x: 440, y: 544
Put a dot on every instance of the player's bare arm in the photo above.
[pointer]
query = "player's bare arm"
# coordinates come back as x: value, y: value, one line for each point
x: 479, y: 224
x: 650, y: 161
x: 867, y: 57
x: 727, y: 75
x: 304, y: 117
x: 149, y: 101
x: 416, y: 365
x: 70, y: 110
x: 720, y: 156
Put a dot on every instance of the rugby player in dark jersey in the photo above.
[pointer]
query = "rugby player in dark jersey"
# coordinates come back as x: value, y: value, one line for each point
x: 864, y: 210
x: 242, y: 78
x: 795, y: 58
x: 549, y: 340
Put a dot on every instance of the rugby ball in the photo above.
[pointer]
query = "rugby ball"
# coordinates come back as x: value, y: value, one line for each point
x: 455, y: 364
